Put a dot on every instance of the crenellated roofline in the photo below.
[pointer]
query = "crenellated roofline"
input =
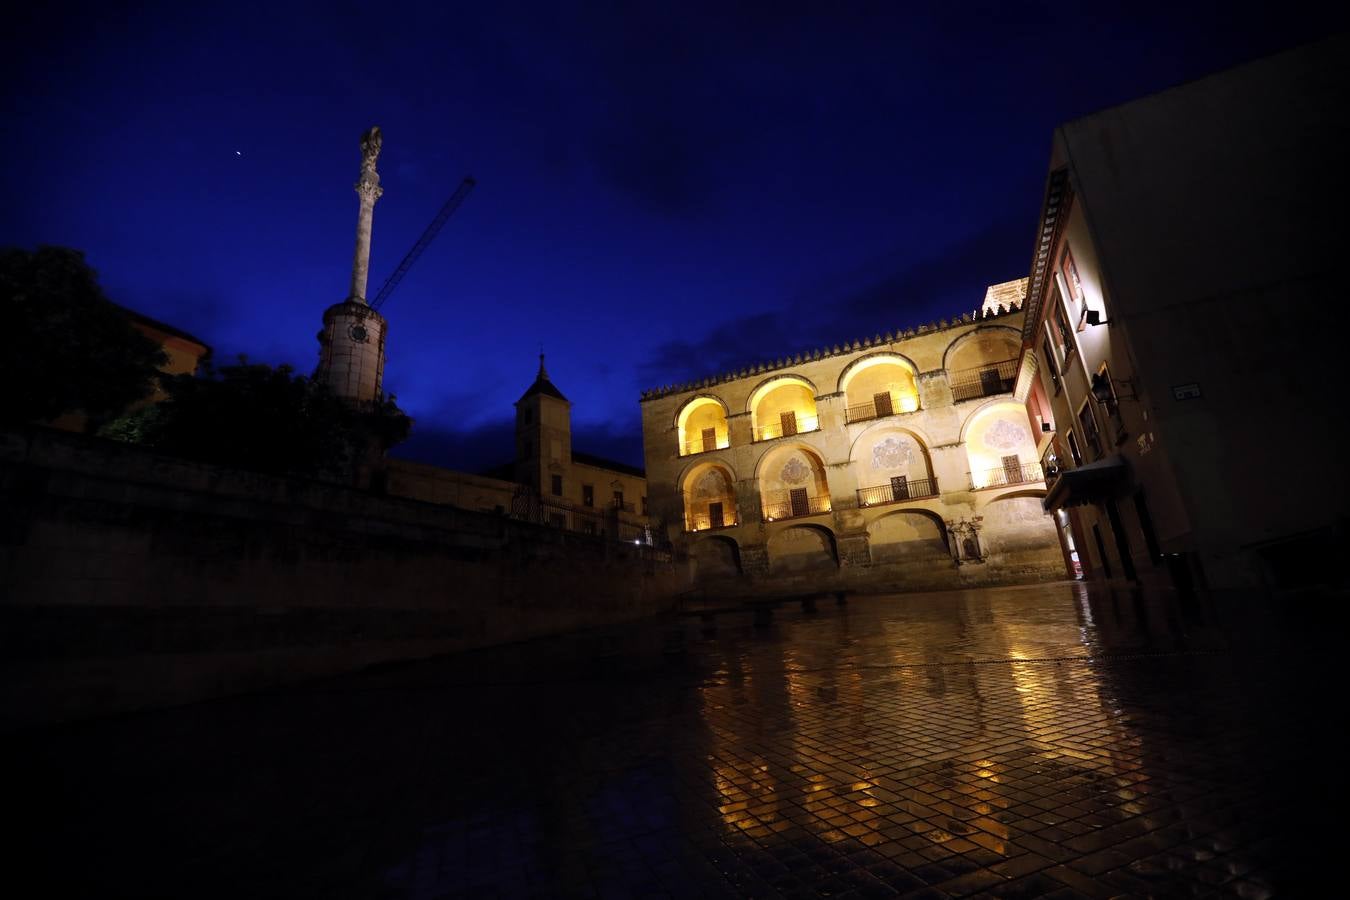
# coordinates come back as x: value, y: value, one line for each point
x: 837, y: 350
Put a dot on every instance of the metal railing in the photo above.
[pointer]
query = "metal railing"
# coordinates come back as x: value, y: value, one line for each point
x: 917, y: 489
x: 862, y: 412
x: 786, y: 508
x: 1005, y: 475
x: 698, y: 445
x: 698, y: 514
x: 703, y: 522
x: 621, y: 506
x: 983, y: 381
x: 775, y: 429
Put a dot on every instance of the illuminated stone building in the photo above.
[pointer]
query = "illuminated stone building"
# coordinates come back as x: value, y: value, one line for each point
x: 903, y: 460
x: 1182, y: 338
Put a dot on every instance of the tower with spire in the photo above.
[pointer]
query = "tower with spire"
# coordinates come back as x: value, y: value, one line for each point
x: 543, y: 435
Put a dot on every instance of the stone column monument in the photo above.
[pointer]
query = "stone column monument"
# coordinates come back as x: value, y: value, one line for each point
x: 351, y: 345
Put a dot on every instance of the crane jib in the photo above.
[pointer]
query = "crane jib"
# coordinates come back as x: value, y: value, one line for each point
x: 427, y: 237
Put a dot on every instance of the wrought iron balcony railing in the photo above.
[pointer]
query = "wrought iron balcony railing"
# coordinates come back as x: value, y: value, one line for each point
x: 862, y: 412
x: 795, y: 507
x: 897, y: 492
x: 1025, y: 473
x: 787, y: 428
x: 704, y: 522
x: 983, y: 381
x: 699, y: 445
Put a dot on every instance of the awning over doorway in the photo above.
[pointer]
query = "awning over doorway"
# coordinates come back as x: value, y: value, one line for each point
x: 1088, y: 484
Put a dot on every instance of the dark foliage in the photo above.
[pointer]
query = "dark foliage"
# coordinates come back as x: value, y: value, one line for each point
x: 264, y: 419
x: 66, y: 346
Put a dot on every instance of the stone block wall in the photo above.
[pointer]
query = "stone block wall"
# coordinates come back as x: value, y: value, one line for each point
x: 130, y: 580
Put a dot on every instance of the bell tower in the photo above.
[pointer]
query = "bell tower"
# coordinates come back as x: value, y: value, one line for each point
x: 351, y: 344
x: 543, y: 434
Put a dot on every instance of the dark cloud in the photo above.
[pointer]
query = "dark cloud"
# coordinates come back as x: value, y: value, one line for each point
x: 881, y: 295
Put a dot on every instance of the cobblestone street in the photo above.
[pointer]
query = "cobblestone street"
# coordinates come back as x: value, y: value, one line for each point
x: 1018, y: 742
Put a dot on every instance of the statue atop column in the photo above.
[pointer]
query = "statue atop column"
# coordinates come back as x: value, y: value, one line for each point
x: 369, y: 190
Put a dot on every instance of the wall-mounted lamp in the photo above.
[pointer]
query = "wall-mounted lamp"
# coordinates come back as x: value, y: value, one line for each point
x: 1103, y: 392
x: 1094, y: 317
x: 1045, y: 428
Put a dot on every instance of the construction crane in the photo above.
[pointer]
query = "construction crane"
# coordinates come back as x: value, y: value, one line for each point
x: 427, y: 237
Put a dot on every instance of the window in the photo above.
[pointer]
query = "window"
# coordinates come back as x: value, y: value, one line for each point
x: 1059, y: 327
x: 1089, y: 422
x: 1051, y: 364
x: 1070, y: 271
x: 644, y: 506
x: 528, y: 416
x: 588, y: 495
x: 556, y: 484
x: 618, y: 499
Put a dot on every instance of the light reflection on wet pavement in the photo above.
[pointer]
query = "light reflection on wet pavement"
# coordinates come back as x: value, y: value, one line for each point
x: 1018, y: 742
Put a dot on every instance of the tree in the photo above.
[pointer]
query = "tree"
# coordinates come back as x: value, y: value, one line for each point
x: 67, y: 347
x: 266, y: 419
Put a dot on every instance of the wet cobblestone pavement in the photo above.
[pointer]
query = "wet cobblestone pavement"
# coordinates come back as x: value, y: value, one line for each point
x: 1021, y: 742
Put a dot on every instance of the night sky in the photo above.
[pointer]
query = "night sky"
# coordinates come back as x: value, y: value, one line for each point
x: 663, y: 193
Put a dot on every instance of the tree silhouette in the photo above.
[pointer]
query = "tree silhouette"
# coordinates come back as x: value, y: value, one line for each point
x: 67, y: 347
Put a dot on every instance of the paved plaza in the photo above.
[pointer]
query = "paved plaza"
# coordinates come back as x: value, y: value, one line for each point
x: 1022, y: 742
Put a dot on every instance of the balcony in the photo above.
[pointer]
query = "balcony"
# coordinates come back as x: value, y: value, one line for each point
x: 703, y: 445
x: 706, y: 522
x: 786, y: 427
x: 863, y: 412
x: 1004, y: 476
x: 794, y: 507
x: 983, y: 381
x: 898, y: 492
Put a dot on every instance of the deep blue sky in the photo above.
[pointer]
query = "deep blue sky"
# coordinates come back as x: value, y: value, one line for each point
x: 664, y: 192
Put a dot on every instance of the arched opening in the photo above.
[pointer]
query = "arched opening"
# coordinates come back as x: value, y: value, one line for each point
x: 702, y: 426
x: 1017, y: 524
x: 802, y: 548
x: 1000, y: 448
x: 783, y: 407
x: 878, y: 386
x: 709, y: 498
x: 792, y: 484
x: 908, y: 537
x: 983, y: 363
x: 715, y: 557
x: 892, y: 465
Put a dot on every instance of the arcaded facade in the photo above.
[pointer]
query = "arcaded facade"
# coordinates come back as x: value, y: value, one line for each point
x: 901, y: 461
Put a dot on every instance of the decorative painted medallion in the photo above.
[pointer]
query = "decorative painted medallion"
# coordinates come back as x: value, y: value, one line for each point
x: 710, y: 485
x: 795, y: 472
x: 1004, y: 435
x: 892, y: 453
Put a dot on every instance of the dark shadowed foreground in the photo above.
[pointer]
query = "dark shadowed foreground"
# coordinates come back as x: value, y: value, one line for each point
x: 1016, y: 742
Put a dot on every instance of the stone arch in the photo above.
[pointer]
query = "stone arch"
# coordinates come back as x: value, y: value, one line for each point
x: 802, y: 548
x: 954, y: 357
x: 1016, y: 522
x: 871, y: 359
x: 715, y: 556
x: 994, y: 433
x: 783, y: 472
x: 777, y: 395
x: 708, y: 497
x: 891, y: 463
x: 699, y: 413
x: 911, y: 536
x: 878, y: 385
